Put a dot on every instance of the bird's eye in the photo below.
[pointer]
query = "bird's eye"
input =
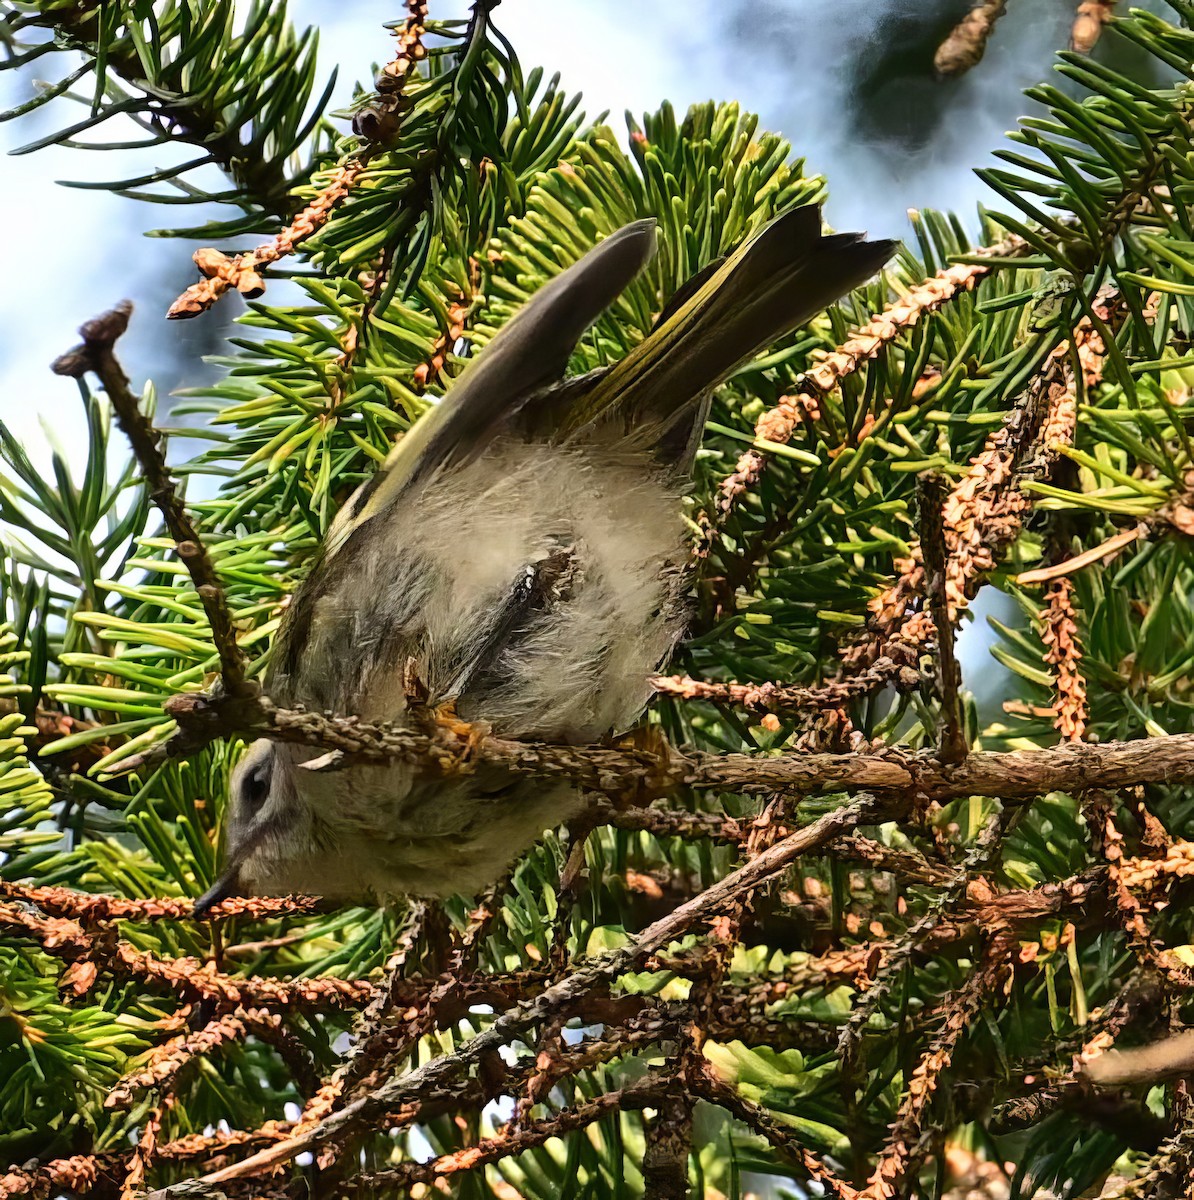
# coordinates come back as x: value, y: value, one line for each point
x: 256, y: 786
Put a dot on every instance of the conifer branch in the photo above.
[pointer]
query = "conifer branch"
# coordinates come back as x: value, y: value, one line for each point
x: 90, y: 908
x: 169, y: 1060
x: 641, y: 1094
x: 96, y: 355
x: 716, y: 1091
x: 905, y: 1146
x: 480, y: 185
x: 242, y: 272
x: 1018, y: 775
x: 952, y: 745
x: 174, y: 108
x: 865, y: 343
x: 922, y: 931
x: 517, y: 1020
x: 78, y: 1173
x: 376, y: 125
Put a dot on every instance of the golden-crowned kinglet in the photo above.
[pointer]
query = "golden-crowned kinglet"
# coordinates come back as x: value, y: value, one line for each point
x: 523, y: 548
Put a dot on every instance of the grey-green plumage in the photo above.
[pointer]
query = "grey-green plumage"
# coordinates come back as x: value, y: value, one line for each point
x: 523, y: 547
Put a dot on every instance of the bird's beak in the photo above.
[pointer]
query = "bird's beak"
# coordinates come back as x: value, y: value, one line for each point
x: 227, y: 885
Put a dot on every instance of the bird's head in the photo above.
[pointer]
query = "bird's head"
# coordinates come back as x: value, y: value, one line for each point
x: 272, y: 840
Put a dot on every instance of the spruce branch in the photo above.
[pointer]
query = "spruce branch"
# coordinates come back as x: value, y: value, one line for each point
x: 669, y: 1137
x: 1018, y: 775
x: 517, y: 1020
x: 168, y: 1061
x: 637, y: 772
x: 145, y: 1150
x: 710, y: 1087
x: 643, y: 1093
x: 1166, y: 1173
x: 922, y: 931
x: 999, y: 911
x: 377, y: 126
x: 985, y: 511
x: 242, y: 272
x: 91, y: 908
x: 864, y: 344
x: 906, y: 1144
x: 952, y: 745
x: 173, y: 101
x: 189, y: 978
x: 78, y: 1173
x: 670, y: 822
x: 487, y: 190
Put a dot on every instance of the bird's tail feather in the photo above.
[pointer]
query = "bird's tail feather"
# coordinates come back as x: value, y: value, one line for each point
x: 769, y: 286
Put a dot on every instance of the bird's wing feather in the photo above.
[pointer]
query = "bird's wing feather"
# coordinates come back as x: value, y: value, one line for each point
x: 530, y: 353
x: 768, y: 286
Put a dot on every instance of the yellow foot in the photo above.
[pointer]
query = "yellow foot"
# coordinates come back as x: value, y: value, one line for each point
x: 467, y: 735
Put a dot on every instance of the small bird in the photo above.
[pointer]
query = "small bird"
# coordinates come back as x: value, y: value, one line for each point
x: 521, y: 554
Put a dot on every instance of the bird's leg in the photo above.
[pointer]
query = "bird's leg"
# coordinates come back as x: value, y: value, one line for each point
x: 436, y: 718
x: 535, y: 588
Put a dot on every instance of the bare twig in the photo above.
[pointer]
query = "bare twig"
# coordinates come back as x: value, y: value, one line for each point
x: 1064, y: 653
x: 1089, y: 20
x: 769, y: 697
x: 96, y: 354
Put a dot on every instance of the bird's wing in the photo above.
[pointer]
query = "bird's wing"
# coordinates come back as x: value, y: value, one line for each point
x: 530, y: 352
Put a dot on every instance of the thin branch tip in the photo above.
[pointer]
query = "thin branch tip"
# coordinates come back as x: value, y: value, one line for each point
x: 99, y: 335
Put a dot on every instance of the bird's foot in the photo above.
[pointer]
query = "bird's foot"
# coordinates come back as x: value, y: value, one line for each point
x: 462, y: 738
x: 651, y: 747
